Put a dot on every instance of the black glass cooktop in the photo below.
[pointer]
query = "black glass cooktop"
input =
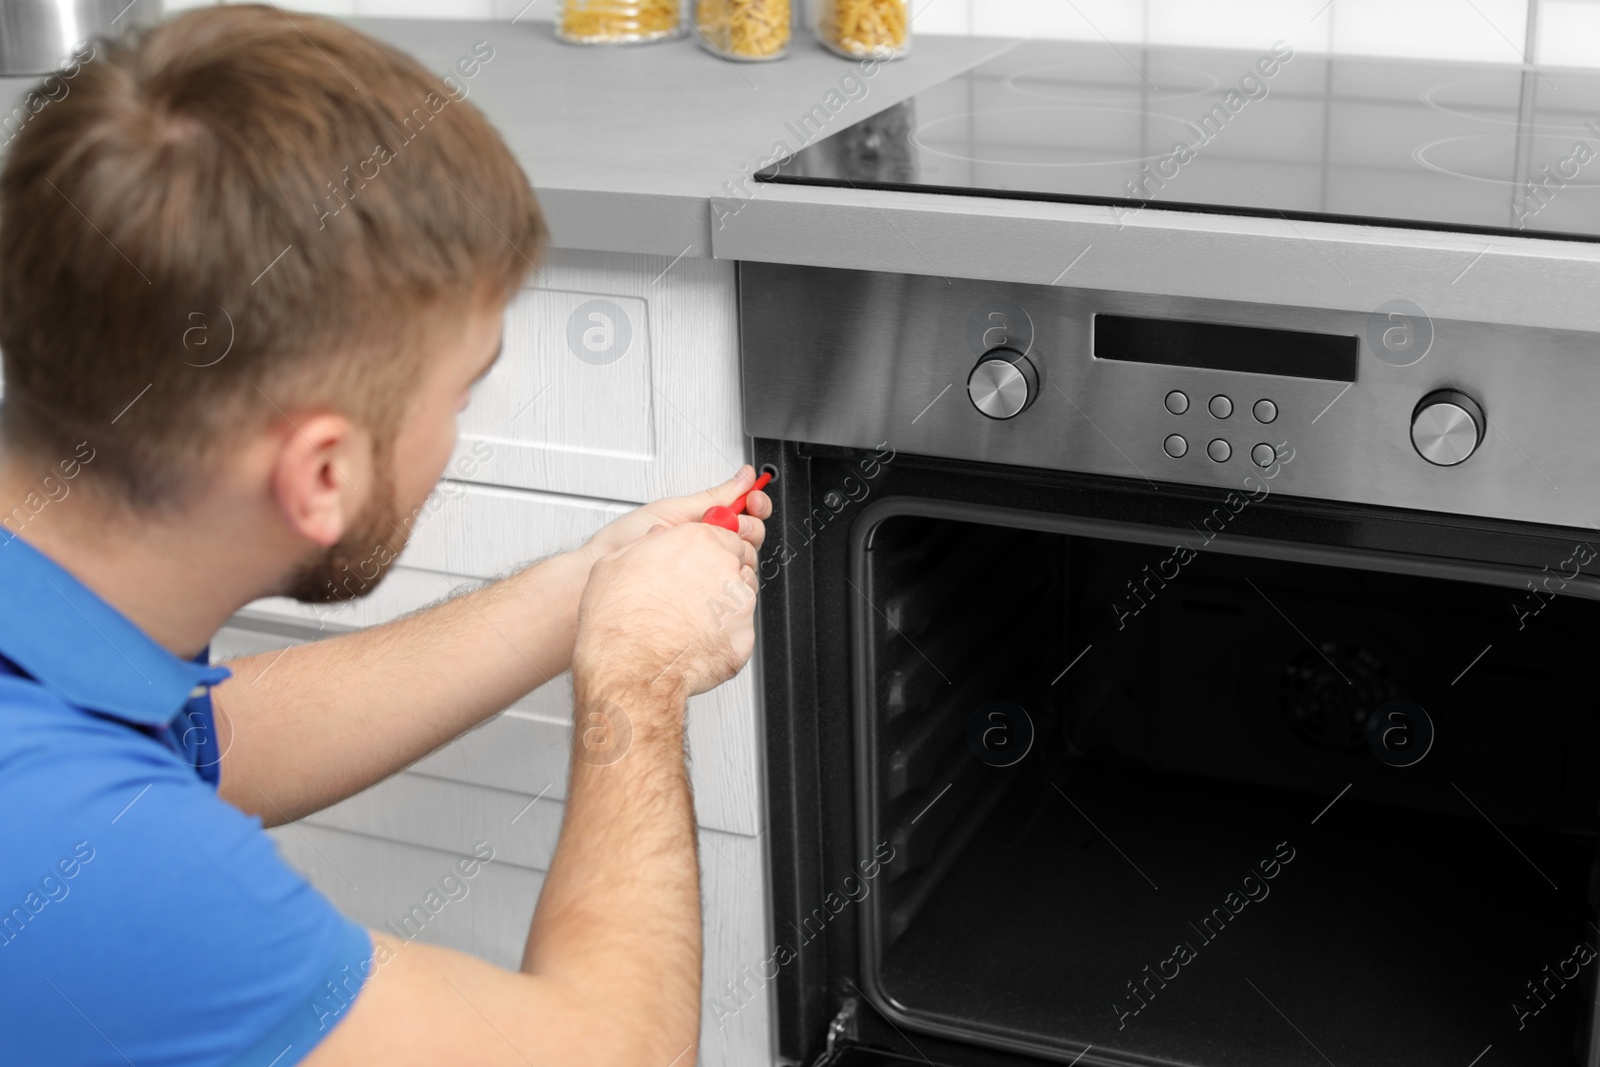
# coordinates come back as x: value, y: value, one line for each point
x: 1454, y: 146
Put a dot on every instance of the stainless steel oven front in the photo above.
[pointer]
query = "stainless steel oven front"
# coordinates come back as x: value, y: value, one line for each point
x: 1162, y: 681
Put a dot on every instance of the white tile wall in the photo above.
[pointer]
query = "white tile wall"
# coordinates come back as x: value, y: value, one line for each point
x: 1569, y: 33
x: 1488, y: 30
x: 1562, y: 32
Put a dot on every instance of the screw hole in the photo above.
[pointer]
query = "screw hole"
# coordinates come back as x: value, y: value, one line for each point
x: 767, y: 468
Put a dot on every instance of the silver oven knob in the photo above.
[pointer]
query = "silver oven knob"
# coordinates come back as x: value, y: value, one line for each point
x: 1003, y: 383
x: 1447, y: 427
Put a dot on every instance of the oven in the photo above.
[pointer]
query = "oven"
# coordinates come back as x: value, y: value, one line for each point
x: 1172, y: 681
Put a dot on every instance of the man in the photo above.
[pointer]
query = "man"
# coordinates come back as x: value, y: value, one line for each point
x: 362, y: 232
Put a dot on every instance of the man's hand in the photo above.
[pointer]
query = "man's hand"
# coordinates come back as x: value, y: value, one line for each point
x: 676, y: 510
x: 305, y: 743
x: 672, y: 613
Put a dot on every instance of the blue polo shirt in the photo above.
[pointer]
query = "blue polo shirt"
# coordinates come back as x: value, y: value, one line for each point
x: 143, y: 919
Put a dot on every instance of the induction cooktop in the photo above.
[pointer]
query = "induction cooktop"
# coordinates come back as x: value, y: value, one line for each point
x: 1480, y: 148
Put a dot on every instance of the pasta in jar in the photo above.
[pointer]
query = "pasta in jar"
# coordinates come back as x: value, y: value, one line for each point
x: 619, y: 21
x: 744, y: 29
x: 858, y: 28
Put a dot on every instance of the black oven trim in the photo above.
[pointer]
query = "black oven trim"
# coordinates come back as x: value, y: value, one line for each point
x: 815, y: 994
x: 1224, y: 543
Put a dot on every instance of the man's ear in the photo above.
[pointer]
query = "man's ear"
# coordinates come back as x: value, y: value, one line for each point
x: 321, y: 475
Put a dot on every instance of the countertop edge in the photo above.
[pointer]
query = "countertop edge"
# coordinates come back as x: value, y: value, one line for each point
x: 1514, y: 281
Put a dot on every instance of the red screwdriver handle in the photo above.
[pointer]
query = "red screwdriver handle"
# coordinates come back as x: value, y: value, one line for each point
x: 728, y: 517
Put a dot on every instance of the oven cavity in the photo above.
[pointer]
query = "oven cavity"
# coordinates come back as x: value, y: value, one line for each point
x: 1269, y: 813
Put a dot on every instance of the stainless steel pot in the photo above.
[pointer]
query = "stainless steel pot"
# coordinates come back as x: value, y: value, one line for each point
x: 36, y: 35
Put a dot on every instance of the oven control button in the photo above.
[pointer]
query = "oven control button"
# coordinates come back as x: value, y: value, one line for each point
x: 1178, y: 402
x: 1175, y: 446
x: 1263, y: 455
x: 1219, y: 450
x: 1264, y: 411
x: 1220, y: 407
x: 1003, y: 383
x: 1447, y: 427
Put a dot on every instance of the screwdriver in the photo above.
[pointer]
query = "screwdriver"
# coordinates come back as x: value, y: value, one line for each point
x: 728, y: 517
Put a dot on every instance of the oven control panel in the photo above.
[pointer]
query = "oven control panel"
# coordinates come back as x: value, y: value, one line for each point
x: 1363, y: 407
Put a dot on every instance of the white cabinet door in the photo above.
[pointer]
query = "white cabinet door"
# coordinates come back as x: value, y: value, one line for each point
x: 381, y: 885
x: 619, y: 379
x: 462, y: 535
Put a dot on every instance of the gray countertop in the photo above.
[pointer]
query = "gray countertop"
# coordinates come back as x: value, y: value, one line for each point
x: 629, y: 148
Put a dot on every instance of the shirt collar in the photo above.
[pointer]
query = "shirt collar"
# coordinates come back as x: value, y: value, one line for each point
x: 84, y: 650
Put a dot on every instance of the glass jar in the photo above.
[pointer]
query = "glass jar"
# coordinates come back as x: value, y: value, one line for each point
x: 619, y: 21
x: 862, y: 29
x: 744, y: 29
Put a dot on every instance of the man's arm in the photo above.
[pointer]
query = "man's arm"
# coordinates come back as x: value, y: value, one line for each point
x: 306, y: 727
x: 611, y: 972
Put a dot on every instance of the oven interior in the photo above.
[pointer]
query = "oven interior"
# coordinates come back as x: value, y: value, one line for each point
x: 1215, y: 850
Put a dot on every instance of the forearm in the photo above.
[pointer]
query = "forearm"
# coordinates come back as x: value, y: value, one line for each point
x: 309, y: 726
x: 619, y: 915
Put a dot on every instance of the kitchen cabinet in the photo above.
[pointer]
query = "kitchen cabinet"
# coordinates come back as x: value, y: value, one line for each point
x: 378, y: 881
x: 619, y: 380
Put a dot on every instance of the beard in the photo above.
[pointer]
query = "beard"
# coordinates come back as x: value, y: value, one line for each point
x: 353, y: 566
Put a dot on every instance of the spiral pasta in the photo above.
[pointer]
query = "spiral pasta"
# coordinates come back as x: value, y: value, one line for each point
x: 863, y: 27
x: 745, y: 29
x: 615, y: 21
